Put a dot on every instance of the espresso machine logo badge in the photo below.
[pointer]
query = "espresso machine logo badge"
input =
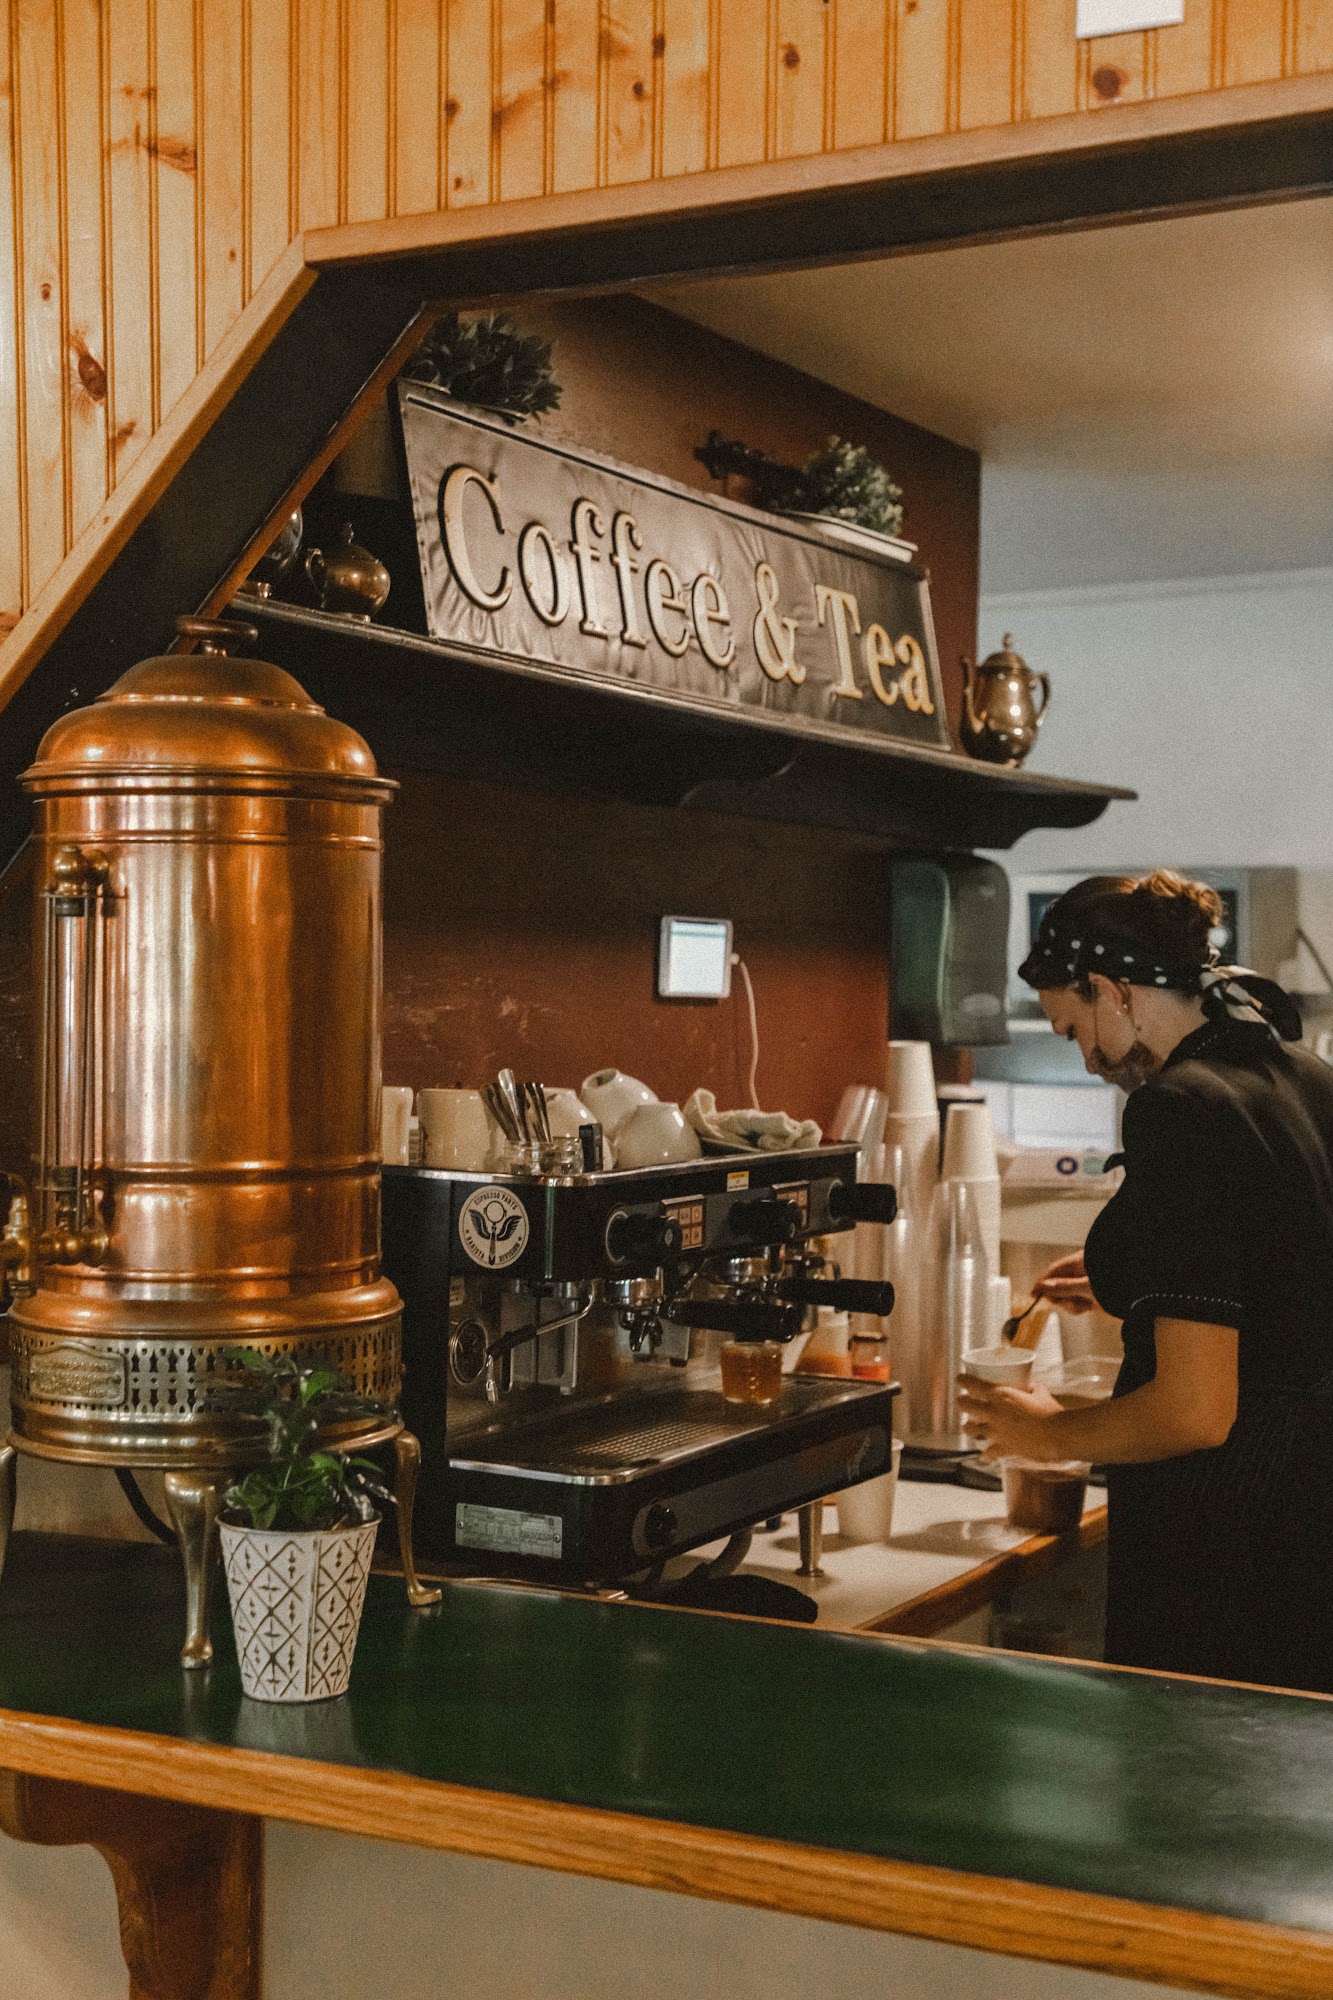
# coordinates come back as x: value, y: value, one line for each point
x: 493, y: 1227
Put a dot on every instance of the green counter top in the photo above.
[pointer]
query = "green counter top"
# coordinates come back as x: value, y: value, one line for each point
x: 1192, y: 1795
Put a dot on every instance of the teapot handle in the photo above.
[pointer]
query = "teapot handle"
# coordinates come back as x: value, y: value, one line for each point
x: 1045, y: 681
x: 317, y: 570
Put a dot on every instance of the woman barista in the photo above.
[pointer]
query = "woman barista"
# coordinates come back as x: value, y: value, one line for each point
x: 1217, y: 1255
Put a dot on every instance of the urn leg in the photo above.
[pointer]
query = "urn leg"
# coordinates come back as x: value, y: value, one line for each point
x: 9, y: 1461
x: 194, y: 1501
x: 407, y: 1460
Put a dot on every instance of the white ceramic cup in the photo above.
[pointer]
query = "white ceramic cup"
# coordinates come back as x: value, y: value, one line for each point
x: 567, y: 1112
x: 654, y: 1135
x: 395, y: 1124
x: 611, y: 1097
x: 865, y: 1512
x: 911, y: 1080
x: 456, y: 1130
x: 1001, y: 1363
x: 969, y: 1144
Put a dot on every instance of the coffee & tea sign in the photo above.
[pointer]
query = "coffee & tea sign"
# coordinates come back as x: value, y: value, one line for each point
x: 551, y: 556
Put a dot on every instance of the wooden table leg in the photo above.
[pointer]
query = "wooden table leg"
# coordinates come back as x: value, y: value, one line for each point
x: 188, y: 1881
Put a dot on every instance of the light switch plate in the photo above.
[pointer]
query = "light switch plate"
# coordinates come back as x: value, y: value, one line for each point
x: 1126, y: 17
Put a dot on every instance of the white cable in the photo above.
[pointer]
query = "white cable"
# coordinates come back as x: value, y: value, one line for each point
x: 744, y: 971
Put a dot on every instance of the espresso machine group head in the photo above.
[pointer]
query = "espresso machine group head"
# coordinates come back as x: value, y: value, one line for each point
x: 561, y: 1346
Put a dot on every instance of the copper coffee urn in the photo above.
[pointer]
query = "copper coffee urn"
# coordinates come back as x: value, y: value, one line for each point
x: 207, y: 1171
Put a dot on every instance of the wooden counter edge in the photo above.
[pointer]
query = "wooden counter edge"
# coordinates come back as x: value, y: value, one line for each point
x: 1222, y: 1955
x: 934, y: 1610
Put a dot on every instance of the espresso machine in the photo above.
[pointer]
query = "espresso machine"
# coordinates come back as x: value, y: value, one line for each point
x: 562, y: 1342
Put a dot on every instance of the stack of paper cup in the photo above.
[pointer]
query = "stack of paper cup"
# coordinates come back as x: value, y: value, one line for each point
x: 859, y: 1121
x: 969, y: 1157
x: 912, y: 1151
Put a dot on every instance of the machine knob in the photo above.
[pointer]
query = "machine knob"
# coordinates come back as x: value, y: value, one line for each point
x: 765, y: 1221
x: 862, y: 1201
x: 644, y: 1241
x: 659, y: 1526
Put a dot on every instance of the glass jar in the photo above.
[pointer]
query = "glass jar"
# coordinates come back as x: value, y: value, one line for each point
x: 751, y: 1370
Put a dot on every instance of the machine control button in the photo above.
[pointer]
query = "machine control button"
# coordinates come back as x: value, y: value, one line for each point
x: 659, y: 1526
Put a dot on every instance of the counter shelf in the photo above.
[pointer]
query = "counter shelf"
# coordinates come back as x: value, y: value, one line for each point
x: 1137, y: 1823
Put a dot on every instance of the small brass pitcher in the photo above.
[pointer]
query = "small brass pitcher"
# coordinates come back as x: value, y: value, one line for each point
x: 349, y: 579
x: 1001, y: 715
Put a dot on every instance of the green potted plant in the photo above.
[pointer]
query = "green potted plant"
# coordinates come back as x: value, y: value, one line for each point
x: 842, y: 484
x: 298, y: 1531
x: 489, y: 362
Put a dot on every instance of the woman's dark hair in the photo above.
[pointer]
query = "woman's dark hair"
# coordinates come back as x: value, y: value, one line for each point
x: 1150, y: 929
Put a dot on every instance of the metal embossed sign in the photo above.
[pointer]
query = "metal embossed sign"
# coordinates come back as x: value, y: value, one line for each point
x: 551, y: 556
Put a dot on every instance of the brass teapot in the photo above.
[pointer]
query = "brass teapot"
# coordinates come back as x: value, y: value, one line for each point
x: 349, y: 579
x: 1000, y: 713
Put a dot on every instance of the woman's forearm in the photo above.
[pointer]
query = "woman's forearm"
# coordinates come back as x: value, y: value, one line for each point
x: 1130, y: 1430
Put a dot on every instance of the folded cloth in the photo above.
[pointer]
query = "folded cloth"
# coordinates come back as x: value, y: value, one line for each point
x: 760, y: 1131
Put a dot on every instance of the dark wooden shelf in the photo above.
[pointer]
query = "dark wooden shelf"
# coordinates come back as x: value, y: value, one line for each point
x: 422, y: 704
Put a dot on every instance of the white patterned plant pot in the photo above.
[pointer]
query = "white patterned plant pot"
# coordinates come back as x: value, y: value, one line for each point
x: 296, y: 1599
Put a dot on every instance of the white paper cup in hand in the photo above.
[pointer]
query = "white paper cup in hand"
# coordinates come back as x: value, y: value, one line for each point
x: 456, y: 1130
x: 395, y: 1124
x: 865, y: 1512
x: 1008, y: 1366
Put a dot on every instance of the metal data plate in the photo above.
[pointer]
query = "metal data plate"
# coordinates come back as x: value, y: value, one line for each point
x: 629, y: 1437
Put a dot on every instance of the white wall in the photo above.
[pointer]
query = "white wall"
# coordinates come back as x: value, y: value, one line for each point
x: 1212, y: 698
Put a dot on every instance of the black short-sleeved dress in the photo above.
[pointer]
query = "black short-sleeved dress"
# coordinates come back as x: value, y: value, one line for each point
x: 1221, y: 1561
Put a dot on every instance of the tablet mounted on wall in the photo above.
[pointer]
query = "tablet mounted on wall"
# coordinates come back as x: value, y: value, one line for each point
x: 694, y: 959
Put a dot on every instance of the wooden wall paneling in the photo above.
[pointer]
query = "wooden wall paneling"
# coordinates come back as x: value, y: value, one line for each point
x: 987, y: 60
x: 469, y: 174
x: 685, y: 86
x: 1116, y: 69
x: 1313, y: 37
x: 802, y: 81
x: 743, y: 87
x: 522, y: 99
x: 1050, y: 59
x: 321, y: 134
x: 132, y: 293
x: 40, y: 174
x: 862, y: 62
x: 85, y: 355
x: 366, y: 86
x: 179, y: 32
x: 1188, y: 57
x: 1255, y: 41
x: 630, y: 75
x: 13, y: 495
x: 270, y: 177
x: 417, y: 105
x: 575, y: 95
x: 924, y: 40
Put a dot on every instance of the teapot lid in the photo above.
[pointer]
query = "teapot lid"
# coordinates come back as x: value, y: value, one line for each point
x: 1006, y: 659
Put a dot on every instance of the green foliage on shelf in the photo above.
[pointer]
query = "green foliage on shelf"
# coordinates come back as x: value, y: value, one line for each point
x: 489, y: 361
x: 300, y: 1485
x: 843, y: 481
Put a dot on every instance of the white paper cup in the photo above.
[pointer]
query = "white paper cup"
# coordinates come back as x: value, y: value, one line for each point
x: 456, y: 1130
x: 395, y: 1124
x: 865, y: 1512
x: 1011, y: 1367
x: 655, y: 1135
x: 612, y: 1096
x: 911, y: 1080
x: 1001, y: 1304
x: 969, y: 1144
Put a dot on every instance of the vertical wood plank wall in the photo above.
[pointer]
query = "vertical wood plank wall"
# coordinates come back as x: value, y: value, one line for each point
x: 158, y: 156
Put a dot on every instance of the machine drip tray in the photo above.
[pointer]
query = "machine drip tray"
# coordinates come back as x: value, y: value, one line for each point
x: 621, y: 1440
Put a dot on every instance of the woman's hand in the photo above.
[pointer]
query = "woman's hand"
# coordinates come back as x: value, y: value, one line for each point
x: 1065, y: 1284
x: 1010, y: 1423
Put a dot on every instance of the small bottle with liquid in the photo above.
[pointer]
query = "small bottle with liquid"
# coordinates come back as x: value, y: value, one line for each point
x: 868, y: 1355
x: 751, y: 1370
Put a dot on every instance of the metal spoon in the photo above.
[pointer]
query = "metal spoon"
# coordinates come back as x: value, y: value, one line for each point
x: 500, y: 1112
x: 509, y: 1090
x: 1010, y: 1328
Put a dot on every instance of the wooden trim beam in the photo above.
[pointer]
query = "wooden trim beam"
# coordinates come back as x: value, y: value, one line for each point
x: 1021, y: 1919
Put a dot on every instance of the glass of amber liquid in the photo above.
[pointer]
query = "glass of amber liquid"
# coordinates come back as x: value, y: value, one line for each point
x: 751, y: 1370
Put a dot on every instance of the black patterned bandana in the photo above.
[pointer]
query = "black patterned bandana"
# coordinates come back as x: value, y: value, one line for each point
x: 1066, y: 952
